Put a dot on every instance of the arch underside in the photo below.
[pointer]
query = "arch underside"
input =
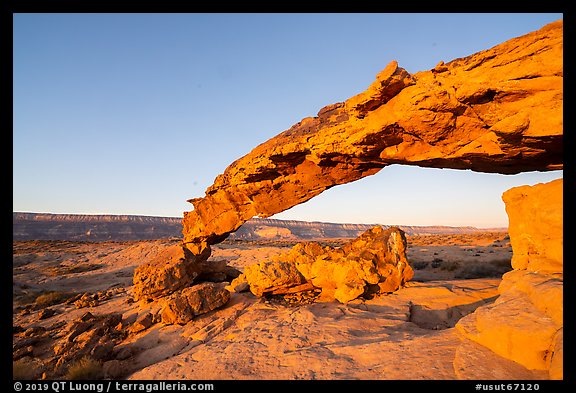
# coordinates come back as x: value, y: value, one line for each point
x: 496, y: 111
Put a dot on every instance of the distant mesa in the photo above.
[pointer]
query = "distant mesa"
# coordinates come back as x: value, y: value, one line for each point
x: 496, y: 111
x: 86, y: 227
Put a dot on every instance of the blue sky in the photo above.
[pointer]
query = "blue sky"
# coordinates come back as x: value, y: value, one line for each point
x: 136, y: 113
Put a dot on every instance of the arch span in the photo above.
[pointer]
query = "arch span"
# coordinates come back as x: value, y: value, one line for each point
x: 498, y: 111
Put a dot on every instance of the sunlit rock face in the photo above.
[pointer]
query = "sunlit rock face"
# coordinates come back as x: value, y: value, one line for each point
x: 525, y: 324
x: 183, y: 306
x: 172, y: 271
x: 373, y: 262
x: 498, y: 111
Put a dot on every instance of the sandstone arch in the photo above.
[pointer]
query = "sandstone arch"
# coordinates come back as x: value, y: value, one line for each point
x: 499, y: 110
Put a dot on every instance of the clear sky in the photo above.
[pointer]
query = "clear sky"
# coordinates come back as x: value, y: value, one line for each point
x: 136, y: 113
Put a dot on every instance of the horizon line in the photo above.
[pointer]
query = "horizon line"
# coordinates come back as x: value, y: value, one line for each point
x: 276, y: 219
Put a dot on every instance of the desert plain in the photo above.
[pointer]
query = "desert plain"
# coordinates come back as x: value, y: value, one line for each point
x: 74, y: 301
x: 481, y: 306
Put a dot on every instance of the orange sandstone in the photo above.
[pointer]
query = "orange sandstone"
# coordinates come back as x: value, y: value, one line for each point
x: 499, y: 111
x: 525, y: 324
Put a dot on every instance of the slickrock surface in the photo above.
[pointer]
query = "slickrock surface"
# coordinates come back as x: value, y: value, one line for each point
x: 525, y: 324
x: 497, y: 111
x: 365, y: 339
x: 409, y: 332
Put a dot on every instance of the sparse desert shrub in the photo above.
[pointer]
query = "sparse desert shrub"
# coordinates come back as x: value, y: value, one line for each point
x: 84, y: 268
x: 25, y: 369
x: 437, y: 262
x: 25, y: 297
x: 66, y: 269
x: 502, y: 264
x: 419, y: 265
x: 494, y: 268
x: 450, y: 266
x: 51, y: 298
x: 85, y: 368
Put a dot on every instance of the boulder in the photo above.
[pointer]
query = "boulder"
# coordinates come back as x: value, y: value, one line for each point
x: 142, y: 323
x: 171, y: 271
x: 87, y: 300
x: 374, y: 262
x: 181, y: 307
x: 239, y: 284
x: 271, y: 275
x: 525, y: 323
x: 46, y: 313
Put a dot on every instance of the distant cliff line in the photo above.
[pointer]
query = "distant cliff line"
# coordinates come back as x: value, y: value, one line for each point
x: 94, y: 218
x: 102, y: 227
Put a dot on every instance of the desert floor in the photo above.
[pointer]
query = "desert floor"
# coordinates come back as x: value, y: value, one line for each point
x: 409, y: 334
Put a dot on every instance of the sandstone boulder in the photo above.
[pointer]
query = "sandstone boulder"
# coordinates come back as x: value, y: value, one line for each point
x: 525, y: 323
x: 239, y: 284
x: 272, y: 275
x: 87, y: 300
x: 173, y: 270
x: 374, y: 262
x: 142, y: 323
x: 181, y: 307
x: 46, y: 313
x: 536, y: 235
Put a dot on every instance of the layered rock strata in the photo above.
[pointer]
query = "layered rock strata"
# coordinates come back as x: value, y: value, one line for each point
x: 498, y: 111
x: 525, y: 324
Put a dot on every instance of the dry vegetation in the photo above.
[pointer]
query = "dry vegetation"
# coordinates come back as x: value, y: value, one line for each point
x: 61, y: 288
x: 461, y: 256
x: 84, y: 368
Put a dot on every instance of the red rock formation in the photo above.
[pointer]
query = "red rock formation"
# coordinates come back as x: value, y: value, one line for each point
x: 183, y: 306
x: 499, y: 110
x: 167, y: 273
x: 374, y: 262
x: 525, y: 324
